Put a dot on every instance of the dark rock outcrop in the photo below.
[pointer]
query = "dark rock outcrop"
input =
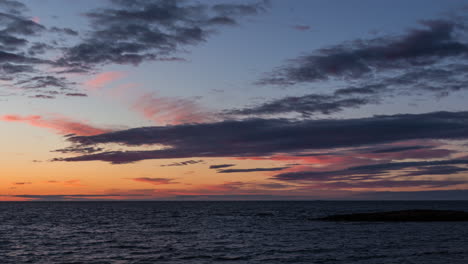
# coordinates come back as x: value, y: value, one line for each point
x: 402, y: 216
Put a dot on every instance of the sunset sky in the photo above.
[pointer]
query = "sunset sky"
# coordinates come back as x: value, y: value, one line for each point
x: 233, y: 100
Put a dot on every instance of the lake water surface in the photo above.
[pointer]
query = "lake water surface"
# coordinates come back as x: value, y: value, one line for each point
x: 223, y: 232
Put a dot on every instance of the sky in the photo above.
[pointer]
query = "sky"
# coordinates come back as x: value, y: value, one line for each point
x: 233, y: 100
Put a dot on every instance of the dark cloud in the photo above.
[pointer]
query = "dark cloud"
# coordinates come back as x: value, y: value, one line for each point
x: 15, y: 30
x: 367, y: 89
x: 67, y: 31
x: 8, y: 69
x: 12, y: 6
x: 375, y: 171
x: 222, y: 20
x: 39, y: 48
x: 436, y: 170
x: 11, y: 43
x: 433, y: 81
x: 438, y: 39
x: 84, y: 150
x: 390, y: 184
x: 76, y: 94
x: 262, y: 137
x: 130, y: 32
x: 7, y: 57
x: 21, y: 183
x: 154, y: 181
x: 399, y: 149
x: 21, y: 48
x: 438, y: 79
x: 382, y: 175
x: 17, y: 24
x: 431, y: 59
x: 274, y: 185
x: 301, y: 27
x: 401, y: 153
x: 124, y: 32
x: 183, y: 163
x: 240, y: 9
x: 41, y: 82
x: 42, y: 96
x: 251, y: 170
x: 220, y: 166
x: 305, y: 105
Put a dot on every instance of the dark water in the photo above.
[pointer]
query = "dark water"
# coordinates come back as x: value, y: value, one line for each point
x: 222, y: 232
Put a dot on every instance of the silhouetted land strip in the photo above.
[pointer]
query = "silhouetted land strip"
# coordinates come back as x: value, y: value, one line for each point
x: 402, y: 216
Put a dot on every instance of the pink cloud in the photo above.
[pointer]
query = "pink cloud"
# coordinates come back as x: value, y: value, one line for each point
x: 76, y: 183
x: 154, y: 181
x: 320, y: 161
x: 173, y: 111
x: 36, y: 20
x: 103, y: 79
x: 61, y: 125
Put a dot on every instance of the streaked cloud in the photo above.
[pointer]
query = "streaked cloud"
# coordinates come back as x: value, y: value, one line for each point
x: 154, y: 181
x: 420, y: 47
x: 267, y: 137
x: 251, y: 170
x: 221, y: 166
x: 137, y: 31
x: 365, y: 173
x: 22, y: 183
x: 102, y: 79
x: 428, y: 60
x: 58, y: 124
x: 182, y: 163
x: 171, y: 110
